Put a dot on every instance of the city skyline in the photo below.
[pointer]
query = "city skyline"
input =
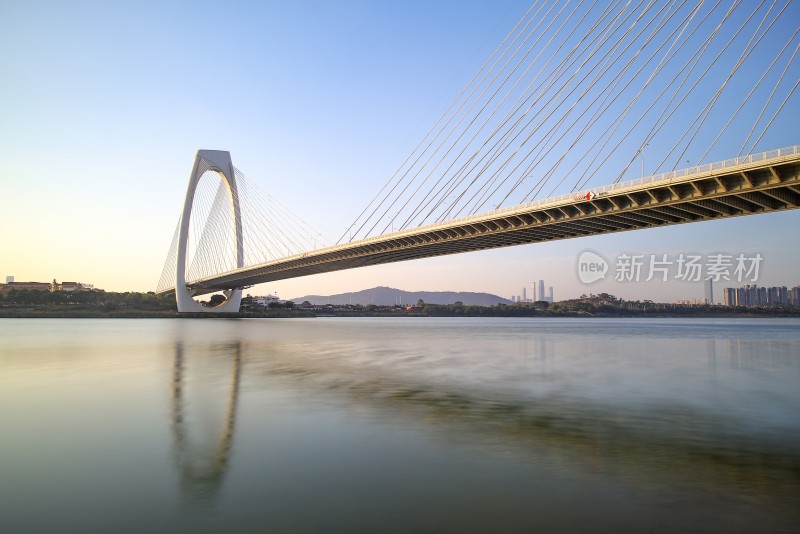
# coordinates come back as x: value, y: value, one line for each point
x: 537, y: 293
x: 752, y: 295
x: 101, y: 131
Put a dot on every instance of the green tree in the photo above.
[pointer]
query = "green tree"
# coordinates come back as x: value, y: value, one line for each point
x: 216, y: 300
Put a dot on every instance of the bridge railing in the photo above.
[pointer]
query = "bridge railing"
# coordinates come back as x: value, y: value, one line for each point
x: 718, y: 165
x: 666, y: 176
x: 663, y: 177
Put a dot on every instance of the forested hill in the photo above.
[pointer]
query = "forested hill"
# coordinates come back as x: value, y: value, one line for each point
x: 387, y: 296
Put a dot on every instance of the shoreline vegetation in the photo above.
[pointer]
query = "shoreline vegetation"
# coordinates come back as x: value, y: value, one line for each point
x: 100, y: 304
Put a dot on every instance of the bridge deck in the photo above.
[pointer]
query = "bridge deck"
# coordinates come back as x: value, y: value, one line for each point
x: 755, y: 184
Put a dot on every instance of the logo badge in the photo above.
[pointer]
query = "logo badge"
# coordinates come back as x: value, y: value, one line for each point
x: 591, y: 267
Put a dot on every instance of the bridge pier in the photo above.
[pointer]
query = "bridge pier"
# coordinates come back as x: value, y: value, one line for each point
x: 186, y: 304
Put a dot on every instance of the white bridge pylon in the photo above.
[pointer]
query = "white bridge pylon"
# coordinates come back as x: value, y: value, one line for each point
x: 218, y: 161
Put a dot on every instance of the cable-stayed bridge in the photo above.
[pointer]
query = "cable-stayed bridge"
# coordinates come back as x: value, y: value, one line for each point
x: 575, y: 92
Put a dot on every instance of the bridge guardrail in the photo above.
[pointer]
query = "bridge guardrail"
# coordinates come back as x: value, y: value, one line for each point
x: 665, y: 176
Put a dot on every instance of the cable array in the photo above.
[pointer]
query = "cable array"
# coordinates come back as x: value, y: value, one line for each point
x: 167, y: 279
x: 579, y: 90
x: 269, y: 230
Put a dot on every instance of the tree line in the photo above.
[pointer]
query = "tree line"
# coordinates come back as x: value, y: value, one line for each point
x: 106, y: 300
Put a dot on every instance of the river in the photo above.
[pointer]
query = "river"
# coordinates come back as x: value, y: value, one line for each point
x: 399, y: 424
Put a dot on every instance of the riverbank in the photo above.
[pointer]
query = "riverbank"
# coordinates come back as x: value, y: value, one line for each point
x: 66, y: 313
x: 28, y: 304
x: 487, y: 311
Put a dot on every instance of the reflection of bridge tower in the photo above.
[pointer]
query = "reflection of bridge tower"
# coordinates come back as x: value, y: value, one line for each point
x: 202, y: 474
x: 219, y: 162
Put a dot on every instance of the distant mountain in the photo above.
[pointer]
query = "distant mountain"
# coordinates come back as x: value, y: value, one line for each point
x: 387, y: 296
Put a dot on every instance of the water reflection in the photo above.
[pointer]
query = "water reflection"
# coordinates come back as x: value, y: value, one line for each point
x: 201, y: 464
x: 653, y: 429
x: 685, y: 420
x: 675, y: 443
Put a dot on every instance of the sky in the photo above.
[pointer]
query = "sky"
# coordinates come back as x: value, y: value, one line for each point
x: 103, y: 106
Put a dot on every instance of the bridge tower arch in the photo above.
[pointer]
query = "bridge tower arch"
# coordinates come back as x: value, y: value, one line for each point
x: 218, y: 161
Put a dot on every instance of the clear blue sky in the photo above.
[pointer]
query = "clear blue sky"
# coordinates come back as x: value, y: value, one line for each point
x: 104, y: 105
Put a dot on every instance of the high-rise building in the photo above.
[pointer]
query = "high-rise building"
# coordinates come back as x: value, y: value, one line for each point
x: 752, y: 295
x: 709, y: 290
x: 524, y: 294
x: 550, y: 297
x: 541, y: 289
x: 794, y: 296
x: 762, y: 296
x: 741, y: 297
x: 9, y: 279
x: 773, y: 296
x: 729, y: 296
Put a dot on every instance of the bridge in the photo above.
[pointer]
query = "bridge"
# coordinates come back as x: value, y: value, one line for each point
x: 485, y: 149
x: 759, y: 183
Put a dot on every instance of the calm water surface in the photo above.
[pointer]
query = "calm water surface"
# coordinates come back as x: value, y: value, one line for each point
x: 403, y: 424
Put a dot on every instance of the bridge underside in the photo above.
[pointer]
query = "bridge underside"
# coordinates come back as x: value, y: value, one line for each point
x: 761, y: 187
